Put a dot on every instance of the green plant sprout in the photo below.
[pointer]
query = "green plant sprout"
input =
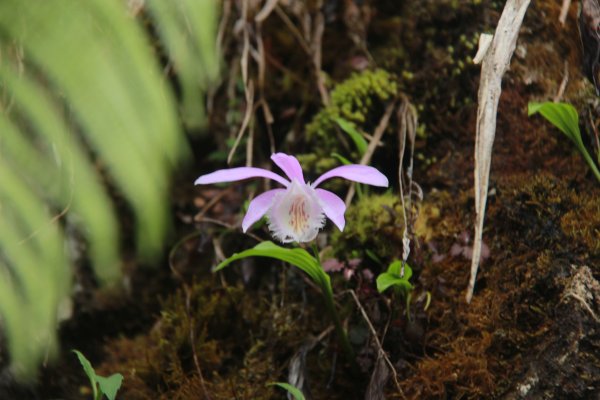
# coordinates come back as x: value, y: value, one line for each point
x: 398, y: 277
x: 565, y: 118
x: 355, y: 135
x: 394, y: 277
x: 294, y: 391
x: 310, y: 265
x: 101, y: 386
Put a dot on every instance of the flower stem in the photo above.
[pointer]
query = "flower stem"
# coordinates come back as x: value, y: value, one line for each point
x: 590, y: 161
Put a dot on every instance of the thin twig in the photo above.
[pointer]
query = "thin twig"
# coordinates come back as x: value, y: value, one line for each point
x: 564, y: 11
x: 188, y: 314
x: 377, y: 342
x: 194, y: 352
x: 266, y: 10
x: 210, y: 203
x: 313, y: 50
x: 295, y: 32
x: 407, y: 119
x: 228, y: 226
x: 582, y: 301
x: 366, y: 158
x: 247, y: 116
x: 563, y: 83
x: 248, y: 84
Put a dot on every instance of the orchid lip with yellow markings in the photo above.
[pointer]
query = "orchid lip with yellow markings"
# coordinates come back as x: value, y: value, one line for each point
x: 296, y: 212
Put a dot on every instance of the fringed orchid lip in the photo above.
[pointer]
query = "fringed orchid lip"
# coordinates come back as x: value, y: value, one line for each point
x: 297, y: 212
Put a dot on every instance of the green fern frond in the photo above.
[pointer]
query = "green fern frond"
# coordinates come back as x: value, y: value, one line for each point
x: 83, y: 101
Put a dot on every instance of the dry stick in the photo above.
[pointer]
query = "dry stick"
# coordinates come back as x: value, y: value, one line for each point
x: 266, y: 10
x: 563, y: 84
x: 262, y: 68
x: 247, y: 116
x: 495, y: 62
x: 582, y: 301
x: 223, y: 21
x: 316, y: 45
x: 564, y: 11
x: 377, y: 342
x: 295, y: 32
x: 407, y: 117
x: 313, y: 51
x: 194, y: 352
x: 210, y: 203
x: 366, y: 158
x: 248, y: 86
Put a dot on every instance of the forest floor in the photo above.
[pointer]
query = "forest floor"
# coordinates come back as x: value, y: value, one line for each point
x: 180, y: 331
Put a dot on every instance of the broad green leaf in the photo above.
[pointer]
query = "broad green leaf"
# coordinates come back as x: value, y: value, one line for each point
x: 357, y: 138
x: 111, y: 385
x: 392, y: 277
x: 89, y: 371
x: 297, y: 257
x: 385, y: 280
x: 562, y: 115
x: 294, y: 391
x: 396, y: 268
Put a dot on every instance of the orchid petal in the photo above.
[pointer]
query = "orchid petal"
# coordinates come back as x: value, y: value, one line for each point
x: 259, y: 207
x: 296, y: 215
x: 333, y: 207
x: 237, y: 174
x: 357, y: 173
x: 289, y: 165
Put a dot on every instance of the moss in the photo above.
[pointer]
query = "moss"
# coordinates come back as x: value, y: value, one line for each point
x: 582, y: 223
x: 359, y: 100
x: 243, y: 340
x: 545, y: 211
x: 374, y: 222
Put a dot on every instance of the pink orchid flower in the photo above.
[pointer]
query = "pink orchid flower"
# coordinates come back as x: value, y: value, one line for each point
x: 296, y: 212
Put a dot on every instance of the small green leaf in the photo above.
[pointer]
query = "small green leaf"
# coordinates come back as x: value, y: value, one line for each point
x: 294, y: 391
x: 386, y: 280
x: 396, y: 269
x: 297, y: 257
x: 562, y: 115
x: 393, y: 277
x: 111, y: 385
x: 373, y: 256
x: 89, y: 371
x: 357, y: 138
x: 108, y: 386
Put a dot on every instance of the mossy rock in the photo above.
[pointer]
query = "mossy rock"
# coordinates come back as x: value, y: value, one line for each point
x: 373, y: 222
x: 358, y: 100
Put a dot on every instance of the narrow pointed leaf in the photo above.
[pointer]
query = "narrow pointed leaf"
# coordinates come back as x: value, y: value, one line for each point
x: 562, y: 115
x: 294, y: 391
x: 297, y: 257
x: 110, y: 385
x: 89, y: 371
x: 357, y: 138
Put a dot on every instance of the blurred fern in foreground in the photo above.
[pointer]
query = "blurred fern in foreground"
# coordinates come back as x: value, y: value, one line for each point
x: 83, y: 101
